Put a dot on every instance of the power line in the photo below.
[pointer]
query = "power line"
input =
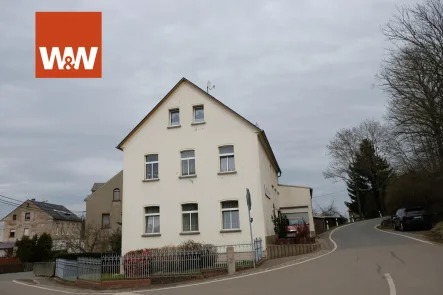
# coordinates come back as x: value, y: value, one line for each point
x: 10, y: 203
x: 330, y: 194
x: 2, y: 196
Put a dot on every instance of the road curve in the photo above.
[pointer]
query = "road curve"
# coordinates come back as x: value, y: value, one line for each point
x: 366, y: 262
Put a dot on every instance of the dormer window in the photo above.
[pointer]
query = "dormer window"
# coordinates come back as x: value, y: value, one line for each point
x: 174, y: 117
x: 199, y: 114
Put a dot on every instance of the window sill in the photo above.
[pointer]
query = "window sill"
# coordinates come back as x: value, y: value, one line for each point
x: 188, y: 176
x: 151, y: 180
x: 116, y: 201
x: 227, y: 172
x: 198, y: 123
x: 188, y: 233
x: 174, y: 126
x: 223, y: 231
x: 151, y: 235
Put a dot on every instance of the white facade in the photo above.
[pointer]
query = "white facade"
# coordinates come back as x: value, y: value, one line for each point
x: 255, y: 168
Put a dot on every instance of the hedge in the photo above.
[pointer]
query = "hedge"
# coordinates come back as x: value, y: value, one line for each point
x: 74, y: 256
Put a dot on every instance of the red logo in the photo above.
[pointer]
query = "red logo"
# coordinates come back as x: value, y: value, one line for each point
x: 68, y: 44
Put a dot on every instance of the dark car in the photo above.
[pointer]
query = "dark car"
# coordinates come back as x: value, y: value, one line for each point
x: 411, y: 218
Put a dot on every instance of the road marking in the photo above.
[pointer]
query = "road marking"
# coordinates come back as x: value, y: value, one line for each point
x: 392, y: 290
x: 207, y: 282
x: 406, y: 236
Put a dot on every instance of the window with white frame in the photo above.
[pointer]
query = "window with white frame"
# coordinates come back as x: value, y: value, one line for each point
x: 174, y: 117
x: 152, y: 219
x: 227, y: 162
x: 188, y: 163
x: 230, y: 215
x: 199, y: 114
x: 190, y: 217
x: 12, y: 233
x: 116, y: 194
x: 151, y: 166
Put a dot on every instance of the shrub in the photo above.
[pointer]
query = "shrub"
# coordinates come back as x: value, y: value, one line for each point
x: 26, y: 248
x: 436, y: 232
x: 188, y: 256
x: 280, y: 222
x: 75, y: 256
x: 34, y: 249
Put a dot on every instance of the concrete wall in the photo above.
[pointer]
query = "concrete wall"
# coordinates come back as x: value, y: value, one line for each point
x: 44, y: 269
x: 279, y: 251
x: 101, y: 202
x: 208, y: 189
x: 296, y: 199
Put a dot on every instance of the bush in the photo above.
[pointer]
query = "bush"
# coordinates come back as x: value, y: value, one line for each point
x: 188, y: 256
x: 75, y: 256
x: 280, y: 222
x: 34, y: 249
x: 436, y: 233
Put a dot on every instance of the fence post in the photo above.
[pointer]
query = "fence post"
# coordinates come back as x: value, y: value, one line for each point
x: 231, y: 259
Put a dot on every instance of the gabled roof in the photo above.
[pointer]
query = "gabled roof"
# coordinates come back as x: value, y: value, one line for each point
x: 57, y: 212
x: 260, y: 132
x: 96, y: 186
x: 102, y: 185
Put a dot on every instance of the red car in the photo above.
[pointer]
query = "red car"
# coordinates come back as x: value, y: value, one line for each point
x: 296, y: 226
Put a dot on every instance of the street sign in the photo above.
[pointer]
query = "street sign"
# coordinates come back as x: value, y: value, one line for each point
x: 248, y: 199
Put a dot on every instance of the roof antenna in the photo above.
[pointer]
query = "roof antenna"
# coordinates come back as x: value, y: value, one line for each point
x: 209, y: 86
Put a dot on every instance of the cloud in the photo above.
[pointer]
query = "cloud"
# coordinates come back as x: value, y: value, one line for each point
x: 300, y: 69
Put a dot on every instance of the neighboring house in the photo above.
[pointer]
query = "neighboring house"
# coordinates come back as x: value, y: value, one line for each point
x: 187, y: 165
x: 33, y: 217
x: 104, y: 204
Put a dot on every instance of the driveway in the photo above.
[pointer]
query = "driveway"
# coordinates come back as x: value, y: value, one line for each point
x: 366, y: 261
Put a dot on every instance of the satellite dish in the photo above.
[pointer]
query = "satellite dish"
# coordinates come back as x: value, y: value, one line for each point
x: 209, y: 86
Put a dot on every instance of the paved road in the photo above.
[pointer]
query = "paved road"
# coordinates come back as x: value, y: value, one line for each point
x: 358, y: 266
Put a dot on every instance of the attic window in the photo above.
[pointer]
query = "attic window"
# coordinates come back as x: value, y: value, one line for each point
x: 14, y: 217
x: 116, y: 195
x: 199, y: 114
x: 27, y: 216
x: 174, y: 117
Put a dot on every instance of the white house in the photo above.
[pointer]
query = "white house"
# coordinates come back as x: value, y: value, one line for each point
x: 187, y: 165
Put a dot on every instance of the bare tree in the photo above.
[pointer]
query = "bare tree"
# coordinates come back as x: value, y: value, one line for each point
x: 412, y: 75
x: 88, y: 238
x: 329, y: 210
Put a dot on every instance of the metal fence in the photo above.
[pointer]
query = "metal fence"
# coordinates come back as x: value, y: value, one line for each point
x: 66, y: 269
x: 168, y: 262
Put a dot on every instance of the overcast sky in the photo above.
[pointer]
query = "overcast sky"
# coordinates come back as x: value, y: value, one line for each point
x: 300, y: 69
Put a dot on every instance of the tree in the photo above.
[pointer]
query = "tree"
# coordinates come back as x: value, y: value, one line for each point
x: 356, y: 182
x: 412, y: 75
x: 87, y: 238
x: 115, y: 241
x: 26, y: 248
x: 34, y: 249
x: 280, y: 222
x: 43, y: 248
x: 344, y: 148
x: 376, y: 170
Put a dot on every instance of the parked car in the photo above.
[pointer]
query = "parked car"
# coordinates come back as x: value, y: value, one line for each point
x: 296, y: 226
x: 411, y: 218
